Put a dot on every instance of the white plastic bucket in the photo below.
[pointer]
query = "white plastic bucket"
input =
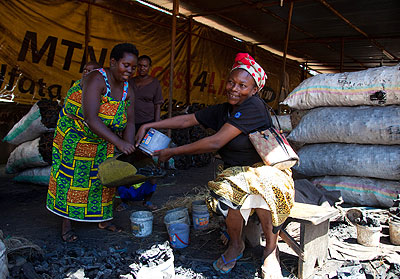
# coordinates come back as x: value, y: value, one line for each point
x: 161, y: 271
x: 368, y: 236
x: 176, y: 215
x: 200, y: 215
x: 154, y: 140
x: 394, y: 232
x: 141, y: 223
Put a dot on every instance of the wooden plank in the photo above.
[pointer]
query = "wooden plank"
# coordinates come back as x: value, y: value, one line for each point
x: 292, y: 243
x: 315, y: 214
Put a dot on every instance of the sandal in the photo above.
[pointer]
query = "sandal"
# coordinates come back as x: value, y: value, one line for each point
x: 150, y: 205
x: 69, y: 236
x: 110, y: 227
x: 225, y: 263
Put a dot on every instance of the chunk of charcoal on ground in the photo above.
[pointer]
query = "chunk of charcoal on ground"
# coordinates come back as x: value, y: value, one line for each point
x: 20, y: 261
x: 351, y: 272
x: 42, y: 267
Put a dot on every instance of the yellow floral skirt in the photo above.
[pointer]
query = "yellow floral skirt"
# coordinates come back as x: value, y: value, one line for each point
x: 236, y: 187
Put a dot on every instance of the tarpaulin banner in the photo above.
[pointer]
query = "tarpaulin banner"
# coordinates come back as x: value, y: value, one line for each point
x: 42, y: 49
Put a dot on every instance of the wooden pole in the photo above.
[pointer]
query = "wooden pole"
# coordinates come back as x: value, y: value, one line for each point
x: 87, y: 30
x: 188, y: 61
x: 342, y: 55
x: 172, y: 60
x: 282, y: 93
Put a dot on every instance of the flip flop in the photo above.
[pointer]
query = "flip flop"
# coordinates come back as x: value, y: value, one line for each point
x: 69, y: 236
x: 122, y: 207
x: 111, y: 227
x: 225, y: 263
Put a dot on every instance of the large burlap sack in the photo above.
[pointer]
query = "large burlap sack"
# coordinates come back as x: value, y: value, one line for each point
x: 378, y: 161
x: 31, y: 154
x: 362, y: 191
x: 363, y: 125
x: 348, y: 89
x: 40, y: 176
x: 284, y: 121
x: 40, y: 119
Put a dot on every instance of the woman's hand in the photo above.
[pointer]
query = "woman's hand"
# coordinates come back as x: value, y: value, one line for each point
x: 125, y: 147
x: 164, y: 154
x: 140, y: 134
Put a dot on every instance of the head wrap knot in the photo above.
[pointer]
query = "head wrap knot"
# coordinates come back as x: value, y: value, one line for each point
x: 246, y: 62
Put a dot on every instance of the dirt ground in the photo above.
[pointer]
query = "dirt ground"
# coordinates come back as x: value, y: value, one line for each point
x: 23, y: 214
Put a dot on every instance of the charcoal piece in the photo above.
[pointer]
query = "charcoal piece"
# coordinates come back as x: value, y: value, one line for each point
x: 46, y: 146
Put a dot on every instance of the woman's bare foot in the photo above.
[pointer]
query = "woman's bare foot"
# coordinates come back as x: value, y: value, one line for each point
x: 109, y: 227
x: 67, y: 233
x: 271, y: 268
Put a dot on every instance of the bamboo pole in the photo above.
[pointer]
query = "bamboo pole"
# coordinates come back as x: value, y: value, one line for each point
x: 172, y: 60
x: 188, y: 60
x: 87, y: 30
x: 282, y: 93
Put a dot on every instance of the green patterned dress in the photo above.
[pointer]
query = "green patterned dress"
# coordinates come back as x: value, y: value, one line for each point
x: 74, y: 190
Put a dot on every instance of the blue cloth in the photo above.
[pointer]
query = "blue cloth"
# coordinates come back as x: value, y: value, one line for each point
x: 132, y: 194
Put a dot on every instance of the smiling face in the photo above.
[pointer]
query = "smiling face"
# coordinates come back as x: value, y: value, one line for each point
x: 123, y: 68
x: 240, y: 87
x: 143, y: 67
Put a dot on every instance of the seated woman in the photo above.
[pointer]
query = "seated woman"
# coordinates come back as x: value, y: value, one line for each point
x: 246, y: 185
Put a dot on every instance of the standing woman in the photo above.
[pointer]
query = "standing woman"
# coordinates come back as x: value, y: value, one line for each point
x: 148, y: 94
x: 95, y: 113
x: 246, y: 185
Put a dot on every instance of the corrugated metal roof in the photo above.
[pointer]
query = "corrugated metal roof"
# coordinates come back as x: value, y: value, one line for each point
x: 367, y: 31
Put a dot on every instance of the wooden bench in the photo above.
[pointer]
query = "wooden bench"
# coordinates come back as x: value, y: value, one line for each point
x: 314, y: 227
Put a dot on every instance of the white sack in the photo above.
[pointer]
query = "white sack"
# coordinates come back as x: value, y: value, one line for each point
x: 284, y: 122
x: 24, y: 156
x: 378, y: 161
x: 347, y: 89
x: 362, y: 191
x: 28, y: 128
x: 3, y: 261
x: 40, y: 176
x: 363, y: 125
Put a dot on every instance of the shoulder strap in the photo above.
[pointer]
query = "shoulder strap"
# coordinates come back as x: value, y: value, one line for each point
x: 125, y: 93
x: 106, y: 81
x: 271, y: 110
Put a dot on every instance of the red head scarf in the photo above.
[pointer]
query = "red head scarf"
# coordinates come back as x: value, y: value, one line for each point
x: 246, y: 62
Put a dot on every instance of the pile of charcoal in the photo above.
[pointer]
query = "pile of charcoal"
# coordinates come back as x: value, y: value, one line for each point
x: 395, y: 209
x: 46, y: 146
x: 49, y: 111
x: 367, y: 221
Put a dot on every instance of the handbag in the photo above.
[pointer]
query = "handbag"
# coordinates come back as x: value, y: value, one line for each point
x: 273, y: 147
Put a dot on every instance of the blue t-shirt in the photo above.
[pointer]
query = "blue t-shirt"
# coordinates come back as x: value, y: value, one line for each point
x: 250, y: 116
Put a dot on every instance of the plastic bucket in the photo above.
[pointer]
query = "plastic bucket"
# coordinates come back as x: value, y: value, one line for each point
x: 368, y: 236
x: 394, y: 232
x: 200, y: 215
x: 179, y: 235
x: 154, y: 140
x: 176, y: 216
x: 141, y: 223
